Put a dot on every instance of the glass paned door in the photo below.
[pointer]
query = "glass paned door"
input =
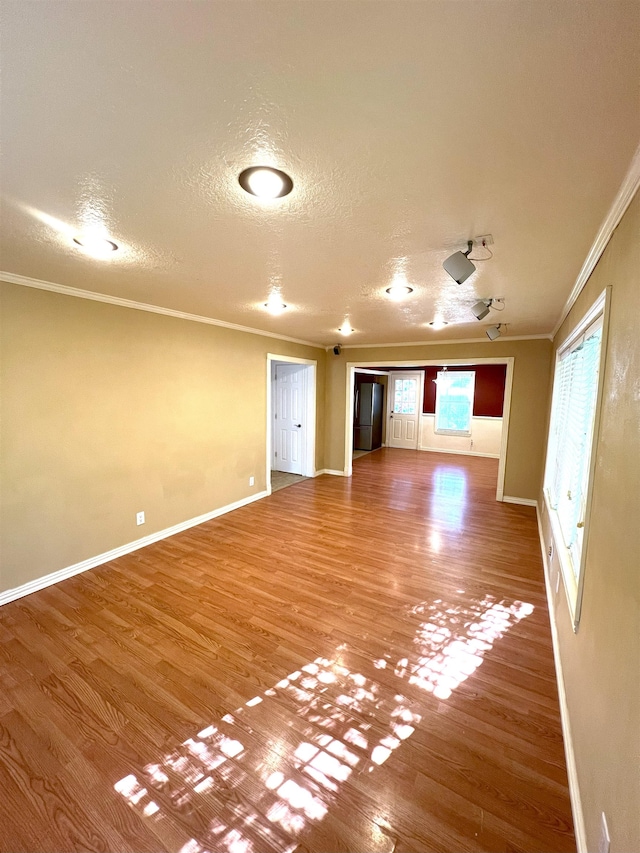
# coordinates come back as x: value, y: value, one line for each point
x: 405, y: 396
x: 404, y: 417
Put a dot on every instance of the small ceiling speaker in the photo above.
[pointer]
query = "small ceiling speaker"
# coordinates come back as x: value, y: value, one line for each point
x: 337, y: 349
x: 459, y: 266
x: 481, y: 308
x: 493, y: 332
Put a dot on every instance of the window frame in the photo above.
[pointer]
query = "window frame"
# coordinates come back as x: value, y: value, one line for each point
x: 573, y: 581
x: 460, y: 432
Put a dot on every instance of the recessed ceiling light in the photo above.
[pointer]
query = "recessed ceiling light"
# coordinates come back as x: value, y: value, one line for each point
x: 97, y: 247
x: 265, y: 182
x: 438, y: 324
x: 274, y: 304
x: 399, y: 291
x: 345, y: 328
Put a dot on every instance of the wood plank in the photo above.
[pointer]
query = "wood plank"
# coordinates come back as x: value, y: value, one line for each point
x: 347, y: 664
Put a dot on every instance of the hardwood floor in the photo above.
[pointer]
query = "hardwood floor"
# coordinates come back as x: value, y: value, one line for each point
x: 357, y: 664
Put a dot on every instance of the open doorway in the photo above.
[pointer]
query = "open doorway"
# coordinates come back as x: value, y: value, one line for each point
x: 425, y: 420
x: 291, y: 420
x: 369, y: 425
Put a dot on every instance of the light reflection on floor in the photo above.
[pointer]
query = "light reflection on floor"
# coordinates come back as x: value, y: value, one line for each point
x: 256, y: 792
x: 449, y: 497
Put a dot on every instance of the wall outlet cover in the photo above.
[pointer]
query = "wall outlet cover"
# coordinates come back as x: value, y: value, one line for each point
x: 139, y: 518
x: 252, y: 481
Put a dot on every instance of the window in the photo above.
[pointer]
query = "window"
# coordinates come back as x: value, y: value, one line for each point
x: 454, y: 401
x: 569, y: 451
x: 405, y: 396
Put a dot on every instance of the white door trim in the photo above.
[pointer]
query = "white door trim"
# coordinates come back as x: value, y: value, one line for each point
x: 353, y: 366
x: 309, y: 431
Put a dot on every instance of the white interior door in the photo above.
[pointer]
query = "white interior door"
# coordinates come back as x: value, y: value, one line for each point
x: 289, y: 417
x: 405, y: 406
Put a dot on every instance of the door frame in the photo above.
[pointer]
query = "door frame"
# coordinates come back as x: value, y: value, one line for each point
x: 353, y: 366
x: 308, y: 443
x: 419, y: 403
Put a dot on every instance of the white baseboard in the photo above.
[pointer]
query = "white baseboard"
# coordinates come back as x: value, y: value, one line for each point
x: 91, y: 563
x: 570, y: 758
x: 460, y: 452
x: 332, y: 471
x: 508, y: 499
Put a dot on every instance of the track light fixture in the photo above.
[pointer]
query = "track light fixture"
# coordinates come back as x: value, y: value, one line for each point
x: 493, y: 332
x: 481, y: 308
x: 459, y: 266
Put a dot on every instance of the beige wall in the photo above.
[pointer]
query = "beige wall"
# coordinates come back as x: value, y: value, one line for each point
x: 525, y: 447
x: 601, y: 662
x: 108, y: 410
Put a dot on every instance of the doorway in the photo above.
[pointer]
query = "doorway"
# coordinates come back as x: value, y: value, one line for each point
x: 291, y: 417
x: 405, y: 366
x: 405, y: 408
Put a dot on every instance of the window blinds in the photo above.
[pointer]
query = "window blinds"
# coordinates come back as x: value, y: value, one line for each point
x: 572, y: 420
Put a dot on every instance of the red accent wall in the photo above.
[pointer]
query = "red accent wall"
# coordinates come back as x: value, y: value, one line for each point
x: 488, y: 399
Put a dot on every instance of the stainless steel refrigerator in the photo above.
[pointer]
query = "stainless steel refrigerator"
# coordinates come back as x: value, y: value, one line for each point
x: 367, y: 420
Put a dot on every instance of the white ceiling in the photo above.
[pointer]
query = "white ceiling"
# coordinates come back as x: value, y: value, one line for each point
x: 407, y: 127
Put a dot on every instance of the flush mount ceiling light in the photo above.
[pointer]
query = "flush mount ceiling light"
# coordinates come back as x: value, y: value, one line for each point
x: 493, y: 332
x: 97, y: 247
x: 274, y: 304
x: 345, y: 328
x: 265, y: 182
x: 438, y: 324
x: 398, y: 292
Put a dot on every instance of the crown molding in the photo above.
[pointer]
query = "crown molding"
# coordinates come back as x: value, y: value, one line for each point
x: 621, y: 202
x: 65, y: 290
x: 446, y: 342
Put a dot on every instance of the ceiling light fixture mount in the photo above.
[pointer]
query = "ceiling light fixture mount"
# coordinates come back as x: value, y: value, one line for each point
x: 265, y: 182
x: 274, y: 304
x: 398, y: 291
x: 97, y: 247
x: 346, y: 328
x: 438, y: 324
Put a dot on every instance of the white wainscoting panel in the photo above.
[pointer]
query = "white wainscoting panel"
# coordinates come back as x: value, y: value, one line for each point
x: 485, y: 438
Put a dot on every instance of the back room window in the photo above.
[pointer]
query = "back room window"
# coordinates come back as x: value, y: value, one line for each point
x: 454, y: 401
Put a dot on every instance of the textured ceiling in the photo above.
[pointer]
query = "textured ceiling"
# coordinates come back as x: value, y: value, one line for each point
x: 407, y: 129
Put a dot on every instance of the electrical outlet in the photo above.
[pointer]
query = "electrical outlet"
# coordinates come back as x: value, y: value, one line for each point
x: 139, y: 518
x: 252, y: 481
x: 471, y: 448
x: 605, y: 841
